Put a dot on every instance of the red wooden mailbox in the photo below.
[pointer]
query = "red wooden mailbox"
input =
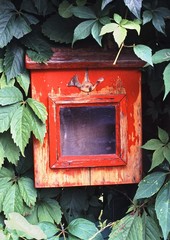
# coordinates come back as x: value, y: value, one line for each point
x: 94, y: 118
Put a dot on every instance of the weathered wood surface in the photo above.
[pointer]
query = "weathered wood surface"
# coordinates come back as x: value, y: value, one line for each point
x: 124, y: 78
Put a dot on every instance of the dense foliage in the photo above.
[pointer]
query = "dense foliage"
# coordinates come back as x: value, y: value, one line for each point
x: 32, y: 28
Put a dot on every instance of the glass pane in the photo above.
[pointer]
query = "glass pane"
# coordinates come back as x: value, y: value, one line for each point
x: 87, y: 130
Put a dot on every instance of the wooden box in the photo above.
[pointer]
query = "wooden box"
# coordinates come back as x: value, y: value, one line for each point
x: 94, y: 118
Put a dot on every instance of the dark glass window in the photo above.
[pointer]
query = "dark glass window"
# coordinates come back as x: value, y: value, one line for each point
x: 87, y: 130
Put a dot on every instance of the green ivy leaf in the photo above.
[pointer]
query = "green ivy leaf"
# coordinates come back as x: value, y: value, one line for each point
x: 38, y: 127
x: 108, y: 28
x: 10, y: 95
x: 21, y: 127
x: 166, y: 78
x: 74, y: 202
x: 65, y: 9
x: 151, y: 228
x: 5, y: 184
x: 49, y: 229
x: 6, y: 174
x: 13, y: 201
x: 2, y: 155
x: 12, y: 152
x: 117, y: 18
x: 13, y: 61
x: 157, y: 158
x: 128, y: 228
x: 134, y: 6
x: 7, y: 11
x: 119, y: 35
x: 144, y: 52
x: 131, y: 25
x: 24, y: 81
x: 166, y: 153
x: 61, y: 32
x: 20, y: 27
x: 6, y: 113
x: 4, y: 83
x: 163, y: 135
x: 83, y: 229
x: 84, y: 12
x: 162, y: 207
x: 54, y: 209
x: 150, y: 185
x: 27, y: 191
x: 38, y: 108
x: 83, y: 30
x: 95, y: 31
x: 161, y: 56
x: 152, y: 144
x: 147, y: 16
x: 18, y: 223
x: 40, y: 48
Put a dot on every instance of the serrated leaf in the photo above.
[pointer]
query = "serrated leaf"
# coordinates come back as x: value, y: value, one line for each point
x: 21, y: 127
x: 19, y: 223
x: 162, y: 207
x: 65, y: 9
x: 161, y: 56
x: 73, y: 202
x: 4, y: 83
x: 166, y: 153
x: 157, y: 158
x: 12, y: 152
x: 128, y: 228
x: 119, y: 35
x: 13, y: 61
x: 134, y: 6
x: 4, y: 186
x: 27, y: 191
x: 131, y: 25
x: 7, y: 13
x: 2, y: 155
x: 163, y: 135
x: 158, y: 22
x: 6, y: 174
x: 152, y: 144
x: 38, y: 127
x: 166, y: 78
x: 10, y: 95
x: 84, y: 12
x: 144, y: 52
x: 150, y: 185
x: 6, y: 113
x: 151, y: 228
x: 61, y: 32
x: 13, y: 201
x: 117, y: 18
x: 95, y: 31
x: 43, y: 214
x: 24, y: 81
x: 40, y: 48
x: 38, y: 108
x: 20, y: 27
x: 54, y: 209
x: 49, y: 229
x: 83, y: 229
x: 147, y: 16
x: 108, y: 28
x: 83, y: 30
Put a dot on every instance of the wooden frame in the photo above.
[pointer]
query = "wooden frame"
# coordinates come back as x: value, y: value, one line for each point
x: 117, y: 159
